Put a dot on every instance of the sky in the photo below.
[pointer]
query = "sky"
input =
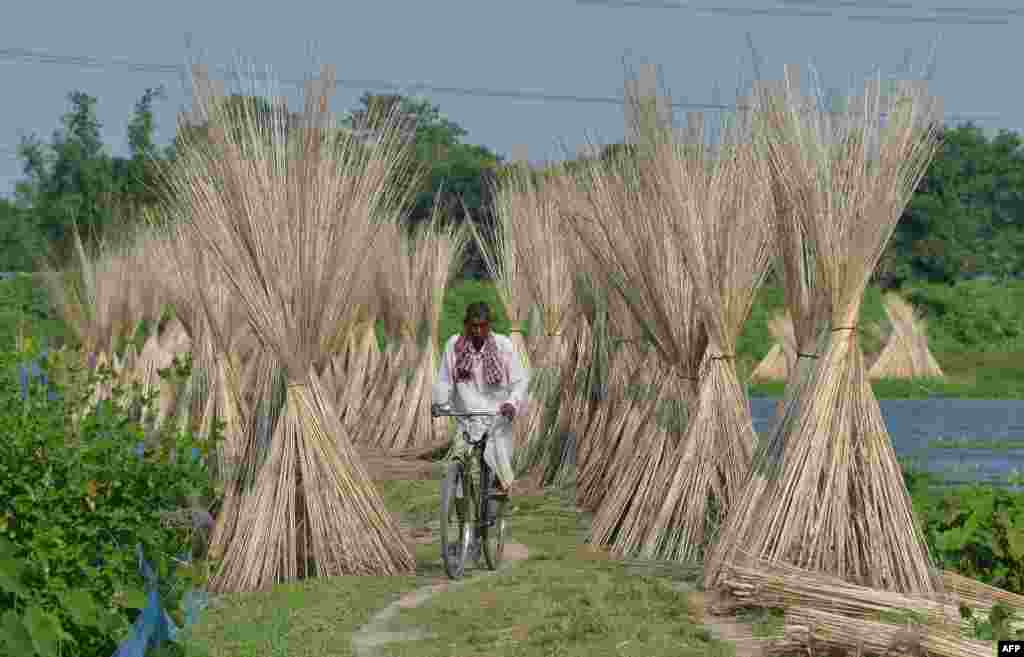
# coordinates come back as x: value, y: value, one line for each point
x: 547, y: 47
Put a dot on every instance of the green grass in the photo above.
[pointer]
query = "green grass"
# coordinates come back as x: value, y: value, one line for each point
x: 976, y: 443
x: 315, y: 618
x: 766, y: 623
x: 557, y: 608
x: 25, y: 302
x: 561, y: 601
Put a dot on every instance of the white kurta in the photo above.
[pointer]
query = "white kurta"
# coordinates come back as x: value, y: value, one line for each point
x: 475, y: 396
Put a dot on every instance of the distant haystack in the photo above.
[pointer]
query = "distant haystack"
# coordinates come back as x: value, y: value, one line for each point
x: 906, y: 354
x: 780, y: 360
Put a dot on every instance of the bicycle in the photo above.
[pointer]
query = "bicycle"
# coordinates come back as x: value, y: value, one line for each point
x: 480, y: 524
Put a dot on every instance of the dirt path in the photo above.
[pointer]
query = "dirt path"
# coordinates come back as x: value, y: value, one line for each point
x: 370, y: 638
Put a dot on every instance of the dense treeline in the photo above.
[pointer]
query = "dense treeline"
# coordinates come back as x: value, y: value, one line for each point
x: 966, y: 219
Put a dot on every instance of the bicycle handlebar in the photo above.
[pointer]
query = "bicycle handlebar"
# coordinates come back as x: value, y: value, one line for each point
x: 453, y: 414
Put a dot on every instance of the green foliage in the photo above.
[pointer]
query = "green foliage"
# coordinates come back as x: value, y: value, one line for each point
x: 19, y: 239
x: 972, y: 316
x: 75, y: 502
x: 976, y: 530
x: 74, y: 180
x: 459, y: 296
x: 965, y: 217
x: 455, y: 173
x: 25, y: 306
x: 995, y: 627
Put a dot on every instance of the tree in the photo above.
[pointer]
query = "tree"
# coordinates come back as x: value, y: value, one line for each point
x: 461, y: 172
x: 67, y: 179
x: 74, y: 179
x: 966, y: 216
x: 138, y: 174
x: 18, y: 238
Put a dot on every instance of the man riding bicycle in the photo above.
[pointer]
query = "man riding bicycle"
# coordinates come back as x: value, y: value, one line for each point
x: 482, y: 373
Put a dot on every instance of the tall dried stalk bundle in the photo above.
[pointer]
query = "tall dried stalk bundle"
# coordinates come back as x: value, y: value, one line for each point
x: 496, y: 242
x: 834, y: 499
x: 395, y: 284
x: 421, y: 267
x: 216, y: 394
x: 528, y: 250
x: 387, y: 383
x: 906, y: 354
x: 638, y: 254
x: 781, y: 358
x: 604, y: 353
x: 716, y: 200
x: 288, y: 216
x: 807, y: 313
x: 260, y: 400
x: 582, y: 402
x: 93, y: 298
x: 359, y: 376
x: 149, y: 300
x: 590, y: 369
x: 619, y: 353
x: 629, y: 405
x: 146, y: 299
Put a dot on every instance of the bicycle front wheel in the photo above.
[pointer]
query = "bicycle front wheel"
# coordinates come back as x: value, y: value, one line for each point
x: 493, y: 530
x: 456, y: 521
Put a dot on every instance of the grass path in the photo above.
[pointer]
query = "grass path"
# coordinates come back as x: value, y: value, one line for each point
x: 555, y: 597
x: 367, y: 641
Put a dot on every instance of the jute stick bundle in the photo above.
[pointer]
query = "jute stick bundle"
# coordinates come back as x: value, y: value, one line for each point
x: 637, y: 255
x: 725, y: 241
x: 839, y: 505
x: 288, y: 216
x: 906, y: 354
x: 820, y: 632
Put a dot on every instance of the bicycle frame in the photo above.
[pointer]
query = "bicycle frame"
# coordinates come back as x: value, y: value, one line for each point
x: 470, y: 489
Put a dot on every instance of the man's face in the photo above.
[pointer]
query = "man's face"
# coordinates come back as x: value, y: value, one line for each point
x: 477, y: 331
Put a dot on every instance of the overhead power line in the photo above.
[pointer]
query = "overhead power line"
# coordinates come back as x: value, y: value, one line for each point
x: 964, y: 16
x: 86, y: 61
x: 375, y: 84
x: 882, y: 4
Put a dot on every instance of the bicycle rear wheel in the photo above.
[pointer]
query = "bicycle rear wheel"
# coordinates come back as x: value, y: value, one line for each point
x: 456, y: 522
x: 493, y: 530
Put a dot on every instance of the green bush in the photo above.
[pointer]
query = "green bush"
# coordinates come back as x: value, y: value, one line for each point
x: 972, y: 316
x: 976, y: 530
x: 73, y: 506
x: 25, y: 304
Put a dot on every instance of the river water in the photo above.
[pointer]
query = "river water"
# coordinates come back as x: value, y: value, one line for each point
x: 914, y: 423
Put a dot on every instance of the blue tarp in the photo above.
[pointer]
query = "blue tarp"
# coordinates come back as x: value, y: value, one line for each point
x: 154, y: 626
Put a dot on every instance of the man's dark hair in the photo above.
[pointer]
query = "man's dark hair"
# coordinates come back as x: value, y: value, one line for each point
x: 478, y: 311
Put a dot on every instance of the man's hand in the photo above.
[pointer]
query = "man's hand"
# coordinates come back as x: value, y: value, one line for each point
x: 508, y: 411
x: 440, y: 409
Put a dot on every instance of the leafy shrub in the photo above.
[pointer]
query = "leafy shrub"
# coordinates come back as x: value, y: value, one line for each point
x: 976, y: 530
x: 25, y: 304
x: 972, y: 316
x: 75, y: 501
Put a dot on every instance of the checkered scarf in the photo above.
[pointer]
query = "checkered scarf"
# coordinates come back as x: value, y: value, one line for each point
x: 492, y: 366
